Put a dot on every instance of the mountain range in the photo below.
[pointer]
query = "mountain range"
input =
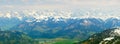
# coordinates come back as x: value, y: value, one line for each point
x: 60, y: 28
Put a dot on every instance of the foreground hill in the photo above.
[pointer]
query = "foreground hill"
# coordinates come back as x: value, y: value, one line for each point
x: 15, y: 37
x: 111, y: 36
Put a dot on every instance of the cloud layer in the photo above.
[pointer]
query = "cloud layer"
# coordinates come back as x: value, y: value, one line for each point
x: 16, y: 8
x: 41, y: 14
x: 60, y: 3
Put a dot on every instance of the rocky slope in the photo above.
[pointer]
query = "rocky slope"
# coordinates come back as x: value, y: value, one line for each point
x: 110, y: 36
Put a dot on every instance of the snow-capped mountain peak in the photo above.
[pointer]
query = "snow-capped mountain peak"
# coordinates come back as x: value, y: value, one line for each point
x: 41, y: 14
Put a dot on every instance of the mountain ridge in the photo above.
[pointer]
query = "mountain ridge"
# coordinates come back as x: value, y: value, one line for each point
x: 110, y: 36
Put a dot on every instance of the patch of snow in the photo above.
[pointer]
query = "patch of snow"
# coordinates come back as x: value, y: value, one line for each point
x: 8, y: 15
x: 29, y: 21
x: 117, y: 32
x: 109, y: 38
x: 86, y: 23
